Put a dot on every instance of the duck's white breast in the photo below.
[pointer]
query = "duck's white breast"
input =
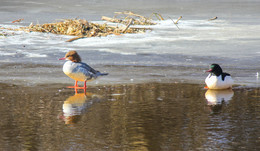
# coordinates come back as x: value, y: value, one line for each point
x: 216, y: 82
x: 68, y: 67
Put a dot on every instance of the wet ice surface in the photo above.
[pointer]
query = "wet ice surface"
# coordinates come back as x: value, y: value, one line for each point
x: 163, y: 54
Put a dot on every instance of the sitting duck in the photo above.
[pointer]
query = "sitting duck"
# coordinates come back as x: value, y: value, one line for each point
x: 217, y: 79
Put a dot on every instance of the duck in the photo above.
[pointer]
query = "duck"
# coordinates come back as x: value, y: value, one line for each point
x: 217, y: 79
x: 79, y: 71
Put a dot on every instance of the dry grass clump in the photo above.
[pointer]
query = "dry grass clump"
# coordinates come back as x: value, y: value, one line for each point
x: 82, y: 28
x: 73, y: 27
x: 124, y: 17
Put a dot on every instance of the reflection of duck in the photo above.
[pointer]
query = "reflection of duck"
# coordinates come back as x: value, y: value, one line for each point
x: 75, y: 105
x: 216, y: 98
x: 217, y: 79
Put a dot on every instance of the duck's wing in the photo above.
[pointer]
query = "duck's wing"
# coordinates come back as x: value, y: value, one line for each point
x: 93, y: 71
x: 86, y: 67
x: 88, y: 71
x: 83, y: 68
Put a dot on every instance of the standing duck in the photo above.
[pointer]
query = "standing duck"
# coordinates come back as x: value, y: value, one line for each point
x: 217, y: 79
x: 79, y: 71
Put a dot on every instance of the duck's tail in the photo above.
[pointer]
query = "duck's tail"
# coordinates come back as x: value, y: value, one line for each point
x: 102, y: 74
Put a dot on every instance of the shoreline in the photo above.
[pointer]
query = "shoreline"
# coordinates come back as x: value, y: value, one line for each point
x: 33, y: 74
x: 63, y: 86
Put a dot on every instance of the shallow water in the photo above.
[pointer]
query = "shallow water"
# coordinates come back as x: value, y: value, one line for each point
x: 162, y: 55
x: 129, y: 117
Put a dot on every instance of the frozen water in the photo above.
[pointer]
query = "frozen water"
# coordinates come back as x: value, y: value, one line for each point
x: 164, y: 54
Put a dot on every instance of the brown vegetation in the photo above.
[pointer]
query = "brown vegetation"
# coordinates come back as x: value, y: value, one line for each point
x: 82, y: 28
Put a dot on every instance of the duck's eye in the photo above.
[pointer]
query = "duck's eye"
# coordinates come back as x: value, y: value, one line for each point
x: 68, y: 55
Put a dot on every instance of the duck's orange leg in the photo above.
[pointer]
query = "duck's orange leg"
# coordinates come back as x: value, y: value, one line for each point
x: 75, y: 86
x: 85, y: 86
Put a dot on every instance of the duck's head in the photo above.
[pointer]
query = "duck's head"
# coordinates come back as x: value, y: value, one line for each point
x: 72, y: 56
x: 215, y: 69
